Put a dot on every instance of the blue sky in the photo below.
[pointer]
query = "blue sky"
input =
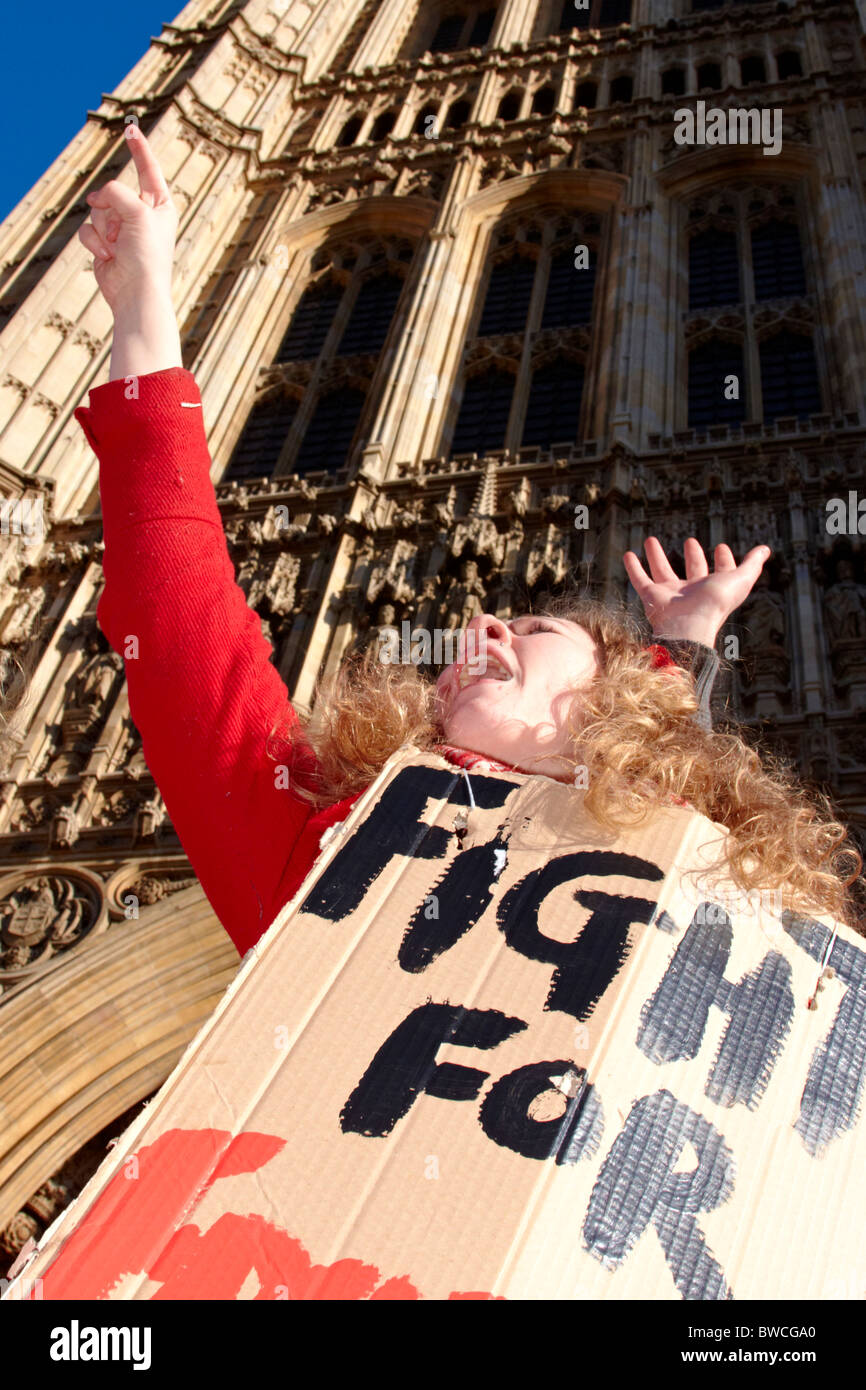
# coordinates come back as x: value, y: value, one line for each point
x: 60, y: 58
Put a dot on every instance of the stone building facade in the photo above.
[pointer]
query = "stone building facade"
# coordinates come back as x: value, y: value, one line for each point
x: 444, y: 276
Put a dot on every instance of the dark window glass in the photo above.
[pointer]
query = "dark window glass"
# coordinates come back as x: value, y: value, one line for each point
x: 788, y: 65
x: 709, y: 365
x: 554, y: 403
x: 709, y: 75
x: 714, y: 270
x: 482, y: 28
x: 752, y: 70
x: 508, y: 294
x: 383, y: 125
x: 303, y: 133
x: 330, y: 432
x: 674, y: 82
x: 458, y: 114
x: 262, y: 438
x: 789, y: 376
x: 586, y: 95
x: 621, y: 89
x: 544, y: 101
x: 349, y: 134
x: 708, y: 4
x: 310, y: 322
x: 571, y: 17
x: 569, y: 291
x: 447, y: 36
x: 371, y: 315
x: 614, y: 12
x: 483, y: 417
x: 426, y: 121
x: 509, y: 107
x: 777, y: 261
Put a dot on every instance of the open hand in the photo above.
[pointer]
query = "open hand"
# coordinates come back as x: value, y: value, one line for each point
x: 697, y: 606
x: 132, y: 235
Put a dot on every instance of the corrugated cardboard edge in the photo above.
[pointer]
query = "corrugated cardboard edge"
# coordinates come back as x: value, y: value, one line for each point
x: 53, y: 1239
x: 547, y: 1173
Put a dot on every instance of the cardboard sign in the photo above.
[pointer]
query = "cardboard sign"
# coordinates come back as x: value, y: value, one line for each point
x: 526, y: 1060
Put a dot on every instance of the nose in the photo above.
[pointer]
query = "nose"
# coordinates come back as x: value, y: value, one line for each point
x: 483, y: 627
x: 491, y: 626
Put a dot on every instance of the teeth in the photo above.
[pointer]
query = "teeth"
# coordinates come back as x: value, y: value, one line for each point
x: 494, y: 669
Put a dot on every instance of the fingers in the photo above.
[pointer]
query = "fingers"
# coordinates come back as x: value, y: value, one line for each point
x: 696, y: 560
x: 107, y: 224
x: 640, y: 580
x: 755, y: 560
x: 151, y: 179
x: 90, y: 238
x: 115, y: 195
x: 724, y: 559
x: 660, y: 567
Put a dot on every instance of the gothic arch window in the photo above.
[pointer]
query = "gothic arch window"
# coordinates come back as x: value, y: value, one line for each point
x: 329, y: 435
x: 749, y: 307
x: 371, y: 315
x: 262, y: 438
x: 482, y: 27
x: 302, y: 134
x: 509, y: 106
x: 383, y: 125
x: 674, y: 82
x: 537, y: 314
x: 621, y: 89
x: 544, y: 101
x: 709, y: 77
x: 711, y: 365
x: 611, y: 12
x: 509, y: 290
x: 311, y: 321
x: 752, y: 69
x: 586, y: 95
x: 570, y: 291
x: 789, y: 376
x: 463, y: 26
x: 777, y: 261
x: 484, y: 411
x: 346, y: 312
x: 350, y: 132
x: 788, y: 65
x: 555, y: 396
x: 595, y: 14
x: 426, y: 121
x: 458, y: 114
x: 714, y: 268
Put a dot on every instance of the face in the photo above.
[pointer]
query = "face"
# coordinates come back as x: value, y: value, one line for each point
x: 509, y: 694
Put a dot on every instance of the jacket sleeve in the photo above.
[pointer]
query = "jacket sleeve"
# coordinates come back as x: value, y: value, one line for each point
x: 202, y: 690
x: 703, y: 664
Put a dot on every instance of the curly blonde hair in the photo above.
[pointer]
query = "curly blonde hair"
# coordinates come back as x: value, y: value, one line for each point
x: 633, y: 729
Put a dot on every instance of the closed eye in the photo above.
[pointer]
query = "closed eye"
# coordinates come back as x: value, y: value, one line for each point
x: 536, y: 625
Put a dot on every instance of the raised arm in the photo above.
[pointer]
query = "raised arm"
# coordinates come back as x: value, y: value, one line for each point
x: 687, y: 615
x: 202, y: 690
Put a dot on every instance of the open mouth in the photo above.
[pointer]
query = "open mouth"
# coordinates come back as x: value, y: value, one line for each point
x: 492, y: 669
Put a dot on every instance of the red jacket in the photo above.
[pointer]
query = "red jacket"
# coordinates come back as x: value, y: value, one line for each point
x: 202, y: 690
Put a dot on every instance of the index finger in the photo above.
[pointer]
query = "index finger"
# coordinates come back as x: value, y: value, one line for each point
x: 151, y: 179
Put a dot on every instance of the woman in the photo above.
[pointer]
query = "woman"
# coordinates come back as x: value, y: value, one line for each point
x: 571, y: 693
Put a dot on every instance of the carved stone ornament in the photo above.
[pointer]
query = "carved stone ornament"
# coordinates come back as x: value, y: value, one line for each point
x: 42, y: 915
